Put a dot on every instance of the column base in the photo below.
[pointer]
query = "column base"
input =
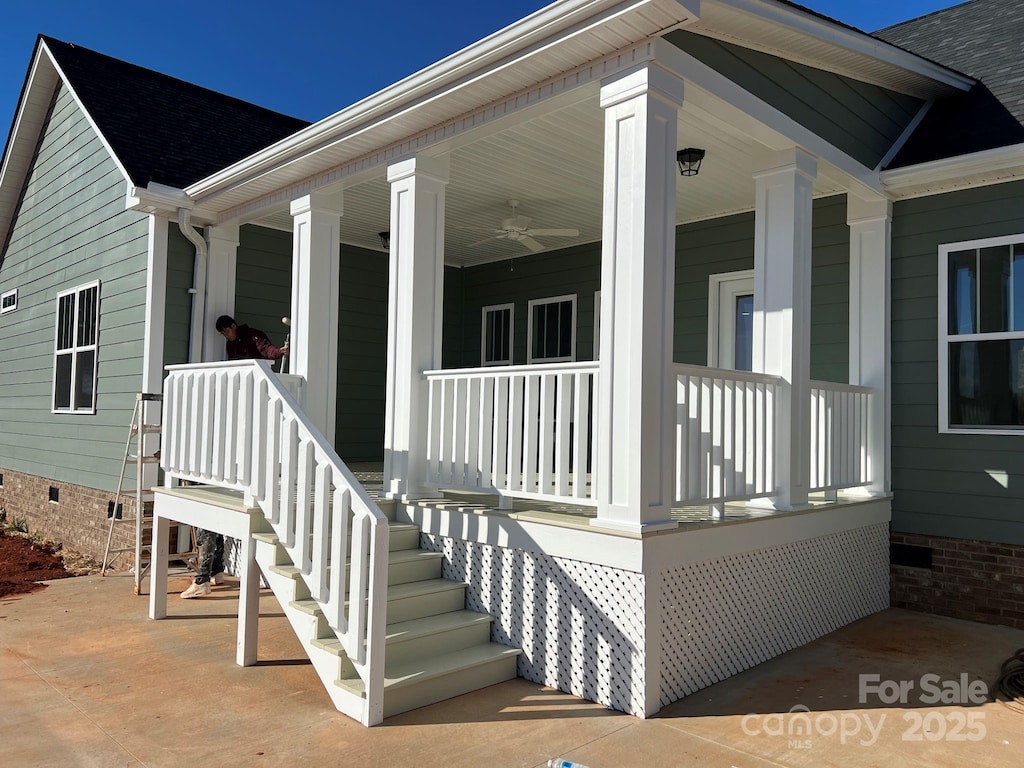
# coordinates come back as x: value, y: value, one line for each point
x: 637, y: 528
x: 779, y: 505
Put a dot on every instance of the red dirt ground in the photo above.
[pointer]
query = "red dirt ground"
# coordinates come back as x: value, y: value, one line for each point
x: 23, y: 564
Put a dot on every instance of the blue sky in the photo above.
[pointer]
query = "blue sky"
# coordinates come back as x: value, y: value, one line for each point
x: 307, y: 59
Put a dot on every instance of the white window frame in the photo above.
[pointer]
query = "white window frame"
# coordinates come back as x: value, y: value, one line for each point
x: 75, y: 350
x: 3, y: 298
x: 483, y: 332
x: 597, y: 325
x: 945, y: 339
x: 530, y: 359
x: 723, y: 288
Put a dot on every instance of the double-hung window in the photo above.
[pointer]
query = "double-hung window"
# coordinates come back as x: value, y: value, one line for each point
x: 496, y: 343
x: 981, y: 336
x: 552, y: 330
x: 74, y: 363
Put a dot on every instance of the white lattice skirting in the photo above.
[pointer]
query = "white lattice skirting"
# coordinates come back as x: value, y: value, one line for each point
x: 723, y: 616
x: 580, y: 625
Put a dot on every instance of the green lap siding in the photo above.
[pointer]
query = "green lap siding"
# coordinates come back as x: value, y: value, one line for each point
x: 862, y: 120
x: 70, y: 229
x: 942, y: 484
x: 702, y: 249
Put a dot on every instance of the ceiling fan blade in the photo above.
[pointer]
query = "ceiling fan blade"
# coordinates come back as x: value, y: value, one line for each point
x: 553, y: 232
x: 530, y: 243
x: 502, y: 236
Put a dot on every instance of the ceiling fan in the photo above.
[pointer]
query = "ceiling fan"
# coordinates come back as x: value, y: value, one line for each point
x: 517, y: 229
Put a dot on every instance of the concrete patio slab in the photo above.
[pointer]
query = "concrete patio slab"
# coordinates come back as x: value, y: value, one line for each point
x: 86, y: 679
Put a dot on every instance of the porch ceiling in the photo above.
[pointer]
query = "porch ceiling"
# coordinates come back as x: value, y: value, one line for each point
x: 553, y: 166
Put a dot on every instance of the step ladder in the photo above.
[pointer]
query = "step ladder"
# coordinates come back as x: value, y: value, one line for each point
x: 145, y: 421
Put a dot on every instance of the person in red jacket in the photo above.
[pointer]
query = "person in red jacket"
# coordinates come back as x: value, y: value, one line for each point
x: 245, y: 343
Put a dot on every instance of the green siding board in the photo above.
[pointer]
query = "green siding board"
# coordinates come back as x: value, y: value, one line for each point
x: 71, y: 228
x: 861, y: 119
x: 178, y: 300
x: 702, y: 249
x: 941, y: 486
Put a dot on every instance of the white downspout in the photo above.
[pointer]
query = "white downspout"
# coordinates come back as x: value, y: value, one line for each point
x: 198, y: 289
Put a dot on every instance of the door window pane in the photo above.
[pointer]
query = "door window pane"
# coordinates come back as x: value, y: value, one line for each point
x: 744, y: 333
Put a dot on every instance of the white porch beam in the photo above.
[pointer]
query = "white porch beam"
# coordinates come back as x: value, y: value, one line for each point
x: 636, y: 401
x: 316, y: 264
x: 221, y: 269
x: 870, y: 224
x: 415, y: 296
x: 784, y: 184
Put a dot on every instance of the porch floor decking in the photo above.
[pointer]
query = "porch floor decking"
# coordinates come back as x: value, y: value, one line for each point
x: 371, y: 475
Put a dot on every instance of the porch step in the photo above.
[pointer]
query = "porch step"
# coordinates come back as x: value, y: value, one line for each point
x: 401, y: 536
x: 408, y: 641
x: 407, y: 601
x: 404, y: 565
x: 416, y: 683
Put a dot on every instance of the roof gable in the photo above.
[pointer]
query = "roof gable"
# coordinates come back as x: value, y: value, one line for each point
x: 163, y: 129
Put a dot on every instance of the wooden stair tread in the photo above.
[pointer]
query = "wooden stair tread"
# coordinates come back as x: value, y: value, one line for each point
x: 395, y: 557
x: 414, y: 628
x: 395, y: 592
x: 421, y: 670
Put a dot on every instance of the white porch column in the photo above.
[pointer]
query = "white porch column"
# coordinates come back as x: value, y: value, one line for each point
x: 784, y: 183
x: 221, y: 268
x: 870, y: 242
x: 636, y: 402
x: 316, y: 264
x: 153, y: 339
x: 415, y: 297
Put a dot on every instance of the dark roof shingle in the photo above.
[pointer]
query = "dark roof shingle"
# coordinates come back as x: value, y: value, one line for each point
x: 163, y: 129
x: 985, y: 40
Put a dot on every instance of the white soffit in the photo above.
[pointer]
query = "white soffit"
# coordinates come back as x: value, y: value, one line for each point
x: 992, y: 166
x: 556, y: 39
x: 791, y: 33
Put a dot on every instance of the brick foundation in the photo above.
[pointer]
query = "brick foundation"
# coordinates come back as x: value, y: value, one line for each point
x: 974, y: 580
x: 78, y: 520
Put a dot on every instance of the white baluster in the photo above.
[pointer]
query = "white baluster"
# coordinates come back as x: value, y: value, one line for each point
x: 321, y: 532
x: 303, y: 500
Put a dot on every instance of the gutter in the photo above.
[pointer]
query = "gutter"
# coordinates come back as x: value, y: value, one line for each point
x: 198, y: 289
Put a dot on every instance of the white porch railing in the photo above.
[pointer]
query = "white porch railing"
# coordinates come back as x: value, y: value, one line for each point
x: 236, y: 425
x: 839, y: 436
x: 725, y: 435
x: 518, y: 431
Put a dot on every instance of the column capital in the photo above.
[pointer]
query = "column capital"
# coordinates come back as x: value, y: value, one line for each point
x: 645, y: 79
x: 225, y: 233
x: 434, y: 168
x: 317, y: 201
x: 771, y: 163
x: 862, y: 211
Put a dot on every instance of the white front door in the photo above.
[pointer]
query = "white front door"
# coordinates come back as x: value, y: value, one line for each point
x: 730, y: 320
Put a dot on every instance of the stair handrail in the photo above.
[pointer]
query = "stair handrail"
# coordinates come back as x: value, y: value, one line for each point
x: 233, y: 424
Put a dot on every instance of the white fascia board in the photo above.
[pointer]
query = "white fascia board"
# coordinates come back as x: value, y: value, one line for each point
x: 162, y: 200
x: 547, y: 27
x: 88, y: 117
x: 24, y: 136
x: 852, y: 40
x: 954, y: 171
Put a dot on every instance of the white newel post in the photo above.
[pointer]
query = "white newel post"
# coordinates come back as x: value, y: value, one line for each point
x: 870, y: 224
x: 636, y: 387
x: 415, y: 297
x: 221, y: 268
x: 784, y: 184
x: 316, y: 264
